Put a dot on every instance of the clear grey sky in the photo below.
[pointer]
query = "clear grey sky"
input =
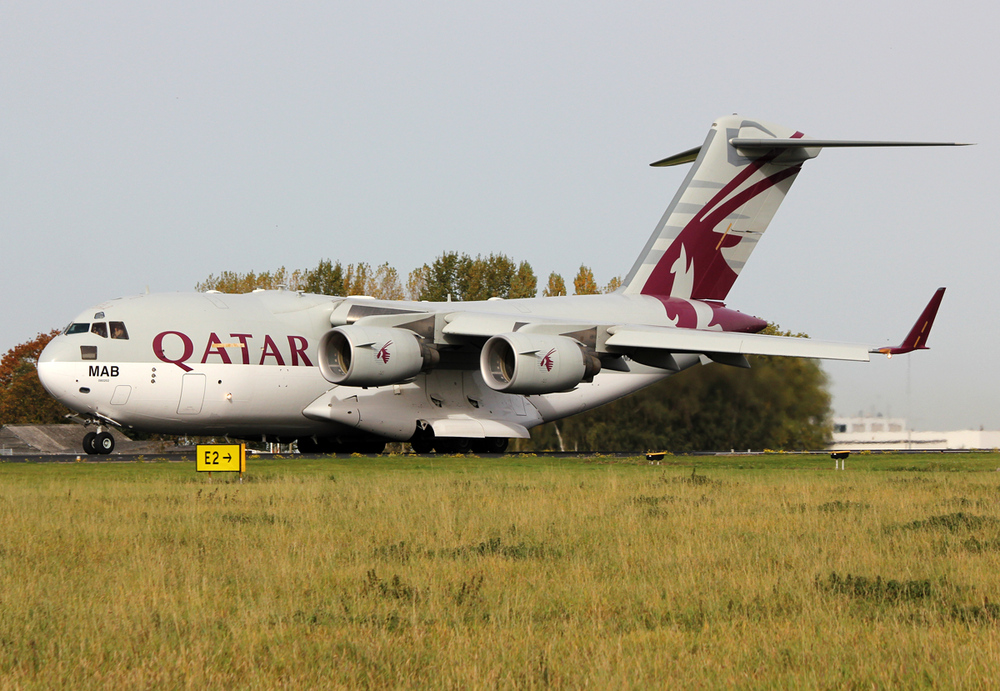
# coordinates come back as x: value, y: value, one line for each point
x: 154, y: 144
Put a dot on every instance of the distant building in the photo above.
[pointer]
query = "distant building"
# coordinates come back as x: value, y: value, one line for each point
x: 886, y: 433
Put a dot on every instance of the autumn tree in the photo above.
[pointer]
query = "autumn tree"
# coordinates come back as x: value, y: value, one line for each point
x: 328, y: 278
x: 384, y: 284
x: 236, y: 282
x: 22, y: 399
x: 555, y: 287
x: 584, y: 283
x: 613, y: 285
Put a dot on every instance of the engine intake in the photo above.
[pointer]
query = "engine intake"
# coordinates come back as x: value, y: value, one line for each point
x: 373, y: 356
x: 532, y: 364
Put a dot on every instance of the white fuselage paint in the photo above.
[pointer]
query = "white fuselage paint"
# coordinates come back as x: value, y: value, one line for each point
x: 245, y: 365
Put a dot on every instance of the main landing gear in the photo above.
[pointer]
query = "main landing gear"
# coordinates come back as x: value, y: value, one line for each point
x: 99, y: 442
x: 457, y: 445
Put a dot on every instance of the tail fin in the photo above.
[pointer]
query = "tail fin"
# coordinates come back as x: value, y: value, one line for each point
x: 719, y: 213
x: 740, y: 176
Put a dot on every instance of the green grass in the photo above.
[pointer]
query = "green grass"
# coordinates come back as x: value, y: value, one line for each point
x: 761, y: 571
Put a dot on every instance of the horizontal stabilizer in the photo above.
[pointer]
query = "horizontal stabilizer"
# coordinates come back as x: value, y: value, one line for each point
x: 790, y: 143
x: 678, y: 159
x: 803, y: 143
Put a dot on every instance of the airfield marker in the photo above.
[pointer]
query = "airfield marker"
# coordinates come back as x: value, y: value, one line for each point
x: 222, y: 458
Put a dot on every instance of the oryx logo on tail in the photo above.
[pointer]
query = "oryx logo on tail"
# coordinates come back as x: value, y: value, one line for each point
x: 717, y: 217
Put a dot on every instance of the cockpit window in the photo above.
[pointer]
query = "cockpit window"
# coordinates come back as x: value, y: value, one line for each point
x: 77, y: 328
x: 99, y: 328
x: 118, y: 331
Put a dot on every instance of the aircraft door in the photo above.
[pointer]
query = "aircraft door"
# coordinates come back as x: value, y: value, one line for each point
x: 192, y: 394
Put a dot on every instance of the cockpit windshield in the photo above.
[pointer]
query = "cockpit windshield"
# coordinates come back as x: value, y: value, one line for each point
x: 118, y: 330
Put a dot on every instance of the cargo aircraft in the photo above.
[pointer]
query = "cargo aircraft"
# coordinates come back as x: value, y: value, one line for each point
x: 348, y: 374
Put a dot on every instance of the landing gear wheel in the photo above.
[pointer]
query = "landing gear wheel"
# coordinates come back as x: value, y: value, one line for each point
x: 104, y: 443
x: 323, y: 445
x: 422, y: 446
x: 90, y: 443
x: 453, y: 445
x: 490, y: 445
x: 307, y: 445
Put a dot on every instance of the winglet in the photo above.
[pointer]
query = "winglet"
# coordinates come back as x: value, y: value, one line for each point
x: 917, y: 338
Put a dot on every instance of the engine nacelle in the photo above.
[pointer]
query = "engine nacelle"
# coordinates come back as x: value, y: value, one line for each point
x: 531, y: 363
x: 372, y: 356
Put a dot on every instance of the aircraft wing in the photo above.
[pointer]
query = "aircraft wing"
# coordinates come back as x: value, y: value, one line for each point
x: 656, y: 345
x: 731, y: 347
x: 674, y: 340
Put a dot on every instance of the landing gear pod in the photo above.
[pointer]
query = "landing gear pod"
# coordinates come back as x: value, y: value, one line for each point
x: 372, y: 356
x: 533, y: 364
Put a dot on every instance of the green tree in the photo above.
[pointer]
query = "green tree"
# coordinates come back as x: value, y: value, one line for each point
x: 780, y: 403
x: 326, y: 279
x: 487, y: 277
x: 524, y: 283
x: 22, y: 398
x: 439, y: 280
x: 461, y: 277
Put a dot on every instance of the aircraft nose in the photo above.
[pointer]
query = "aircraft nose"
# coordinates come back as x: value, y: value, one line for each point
x: 52, y: 369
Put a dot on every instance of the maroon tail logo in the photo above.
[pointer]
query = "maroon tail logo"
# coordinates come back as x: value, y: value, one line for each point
x: 697, y: 249
x: 547, y: 362
x: 383, y: 353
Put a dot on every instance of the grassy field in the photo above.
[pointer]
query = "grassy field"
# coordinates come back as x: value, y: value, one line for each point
x: 764, y: 571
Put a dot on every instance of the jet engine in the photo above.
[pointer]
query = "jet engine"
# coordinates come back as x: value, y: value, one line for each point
x: 373, y: 356
x: 521, y: 363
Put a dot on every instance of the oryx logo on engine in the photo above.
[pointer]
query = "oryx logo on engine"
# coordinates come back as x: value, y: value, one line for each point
x: 383, y: 353
x: 547, y: 362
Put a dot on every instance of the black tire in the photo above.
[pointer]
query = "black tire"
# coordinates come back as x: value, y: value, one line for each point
x: 453, y: 445
x: 90, y: 443
x: 104, y: 443
x: 490, y: 445
x: 307, y: 445
x: 323, y: 445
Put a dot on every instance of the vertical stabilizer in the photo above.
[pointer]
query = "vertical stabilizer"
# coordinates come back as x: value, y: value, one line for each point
x: 720, y: 212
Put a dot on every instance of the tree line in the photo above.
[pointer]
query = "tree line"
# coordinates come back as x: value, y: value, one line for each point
x: 780, y: 403
x: 452, y: 276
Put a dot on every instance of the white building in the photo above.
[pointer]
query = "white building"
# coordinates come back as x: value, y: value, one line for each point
x: 860, y: 433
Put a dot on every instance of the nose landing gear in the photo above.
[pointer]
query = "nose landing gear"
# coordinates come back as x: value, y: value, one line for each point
x: 99, y: 442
